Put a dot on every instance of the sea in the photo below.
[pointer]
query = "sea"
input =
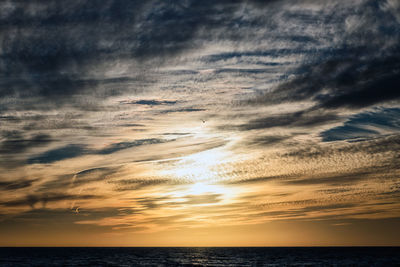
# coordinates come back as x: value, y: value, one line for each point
x: 200, y: 256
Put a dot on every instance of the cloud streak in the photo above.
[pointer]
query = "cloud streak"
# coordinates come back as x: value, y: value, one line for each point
x: 74, y: 150
x: 198, y: 113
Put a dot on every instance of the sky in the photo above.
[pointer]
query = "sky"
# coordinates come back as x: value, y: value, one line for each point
x: 199, y: 123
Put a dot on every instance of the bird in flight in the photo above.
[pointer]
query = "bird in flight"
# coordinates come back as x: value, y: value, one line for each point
x: 76, y: 210
x: 203, y: 121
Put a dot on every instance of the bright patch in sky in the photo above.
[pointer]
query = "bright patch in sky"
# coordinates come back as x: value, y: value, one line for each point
x: 234, y: 121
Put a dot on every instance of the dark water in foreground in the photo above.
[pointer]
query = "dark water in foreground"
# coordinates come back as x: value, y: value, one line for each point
x: 312, y: 256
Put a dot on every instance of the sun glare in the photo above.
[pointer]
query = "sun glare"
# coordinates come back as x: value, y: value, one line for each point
x: 202, y: 172
x: 199, y: 166
x: 204, y: 188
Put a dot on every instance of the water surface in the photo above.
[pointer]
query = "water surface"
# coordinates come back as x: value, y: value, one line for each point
x: 246, y: 256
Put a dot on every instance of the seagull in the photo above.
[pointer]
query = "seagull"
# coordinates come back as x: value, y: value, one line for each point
x: 77, y: 210
x: 203, y: 121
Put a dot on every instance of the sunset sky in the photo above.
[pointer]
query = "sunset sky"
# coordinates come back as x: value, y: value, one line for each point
x: 199, y: 123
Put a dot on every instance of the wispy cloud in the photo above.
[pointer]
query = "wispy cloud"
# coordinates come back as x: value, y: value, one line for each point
x: 31, y: 200
x: 197, y: 113
x: 75, y: 150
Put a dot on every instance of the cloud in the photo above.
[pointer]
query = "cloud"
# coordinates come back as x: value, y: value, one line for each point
x: 365, y: 125
x: 149, y: 102
x: 151, y: 202
x: 299, y: 95
x: 66, y: 152
x: 335, y: 178
x: 15, y: 185
x: 125, y: 145
x: 76, y: 150
x: 355, y: 72
x: 297, y: 119
x: 183, y: 110
x: 202, y: 199
x: 375, y: 146
x: 347, y: 133
x: 376, y: 83
x: 261, y: 179
x: 268, y: 140
x: 54, y: 55
x: 352, y: 81
x: 49, y: 56
x: 31, y: 200
x: 76, y: 180
x: 44, y: 220
x: 14, y: 142
x: 137, y: 183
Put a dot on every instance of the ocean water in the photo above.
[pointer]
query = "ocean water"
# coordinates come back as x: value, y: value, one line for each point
x: 246, y: 256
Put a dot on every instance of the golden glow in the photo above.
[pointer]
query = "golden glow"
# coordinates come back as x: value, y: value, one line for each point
x: 205, y: 189
x: 199, y: 166
x: 201, y: 188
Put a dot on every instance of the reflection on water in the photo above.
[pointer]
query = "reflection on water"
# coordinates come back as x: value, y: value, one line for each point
x: 352, y: 256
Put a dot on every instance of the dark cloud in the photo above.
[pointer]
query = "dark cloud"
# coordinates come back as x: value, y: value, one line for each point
x: 176, y: 133
x: 66, y: 152
x: 353, y: 80
x: 297, y: 119
x: 44, y: 220
x: 358, y: 126
x: 151, y: 202
x: 15, y: 142
x: 125, y: 145
x: 15, y: 185
x: 386, y: 144
x: 245, y: 72
x: 50, y: 48
x: 274, y: 53
x: 10, y: 118
x: 57, y: 43
x: 362, y: 69
x: 92, y: 175
x: 13, y: 145
x: 347, y: 133
x: 39, y: 122
x: 93, y: 170
x: 32, y: 200
x: 149, y: 102
x: 268, y: 140
x: 365, y: 84
x: 75, y: 150
x: 183, y: 110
